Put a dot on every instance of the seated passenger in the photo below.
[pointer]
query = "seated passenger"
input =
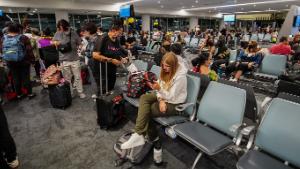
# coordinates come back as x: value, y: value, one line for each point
x: 204, y: 66
x: 247, y: 61
x: 208, y: 46
x: 222, y: 57
x: 171, y: 90
x: 283, y: 48
x: 177, y: 50
x: 180, y: 40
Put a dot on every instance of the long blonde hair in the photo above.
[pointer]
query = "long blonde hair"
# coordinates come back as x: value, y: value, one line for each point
x: 171, y: 60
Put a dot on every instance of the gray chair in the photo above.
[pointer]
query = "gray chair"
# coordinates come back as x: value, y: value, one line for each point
x: 156, y: 70
x: 278, y: 135
x: 221, y: 111
x: 141, y: 65
x: 272, y: 66
x: 233, y: 55
x: 189, y: 108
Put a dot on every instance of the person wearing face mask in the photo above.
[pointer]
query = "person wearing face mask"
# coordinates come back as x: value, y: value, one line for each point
x: 108, y: 49
x: 69, y: 59
x: 247, y: 61
x: 171, y: 90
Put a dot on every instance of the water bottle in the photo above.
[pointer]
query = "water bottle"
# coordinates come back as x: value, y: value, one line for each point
x: 157, y: 153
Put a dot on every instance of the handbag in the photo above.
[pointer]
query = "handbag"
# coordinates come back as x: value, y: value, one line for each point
x: 65, y: 48
x: 51, y: 76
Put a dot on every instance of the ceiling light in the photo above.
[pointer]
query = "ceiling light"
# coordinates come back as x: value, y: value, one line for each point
x: 99, y: 12
x: 161, y: 6
x: 158, y: 2
x: 196, y: 1
x: 193, y: 6
x: 182, y: 7
x: 287, y: 5
x: 254, y: 5
x: 242, y: 4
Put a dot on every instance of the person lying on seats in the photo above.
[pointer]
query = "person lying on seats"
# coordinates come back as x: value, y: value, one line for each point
x: 247, y: 61
x: 171, y: 90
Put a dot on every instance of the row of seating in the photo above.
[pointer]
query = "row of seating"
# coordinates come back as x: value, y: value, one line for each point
x: 221, y: 123
x: 258, y: 37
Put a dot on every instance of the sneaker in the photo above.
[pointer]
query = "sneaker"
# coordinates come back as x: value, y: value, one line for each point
x: 82, y: 95
x: 14, y: 164
x: 32, y: 95
x: 134, y: 141
x: 233, y: 80
x: 94, y: 96
x: 170, y: 132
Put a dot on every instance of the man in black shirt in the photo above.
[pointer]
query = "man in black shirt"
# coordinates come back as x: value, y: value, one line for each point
x: 108, y: 49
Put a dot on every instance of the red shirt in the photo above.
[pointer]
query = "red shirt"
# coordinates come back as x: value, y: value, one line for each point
x: 281, y: 49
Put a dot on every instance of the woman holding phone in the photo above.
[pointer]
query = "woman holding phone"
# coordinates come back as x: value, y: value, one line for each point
x: 171, y: 90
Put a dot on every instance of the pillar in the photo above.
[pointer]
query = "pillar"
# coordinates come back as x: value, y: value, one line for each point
x: 146, y: 23
x: 61, y: 15
x: 193, y: 22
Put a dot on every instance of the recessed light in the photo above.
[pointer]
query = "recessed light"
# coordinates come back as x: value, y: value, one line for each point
x: 193, y: 6
x: 161, y: 6
x: 196, y: 1
x: 287, y: 5
x: 158, y: 2
x: 254, y: 5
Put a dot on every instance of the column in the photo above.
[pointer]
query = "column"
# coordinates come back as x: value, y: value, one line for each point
x: 61, y: 15
x: 193, y: 23
x: 146, y: 23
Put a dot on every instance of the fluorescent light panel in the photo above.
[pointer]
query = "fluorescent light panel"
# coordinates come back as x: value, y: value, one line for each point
x: 244, y: 4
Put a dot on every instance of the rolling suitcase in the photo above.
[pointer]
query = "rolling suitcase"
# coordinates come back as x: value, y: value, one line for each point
x: 60, y: 95
x: 110, y: 105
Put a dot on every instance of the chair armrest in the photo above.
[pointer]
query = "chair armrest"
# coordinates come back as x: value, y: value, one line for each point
x: 184, y: 106
x: 234, y: 128
x: 248, y: 130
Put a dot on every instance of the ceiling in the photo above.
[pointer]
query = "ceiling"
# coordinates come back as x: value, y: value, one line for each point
x: 157, y: 7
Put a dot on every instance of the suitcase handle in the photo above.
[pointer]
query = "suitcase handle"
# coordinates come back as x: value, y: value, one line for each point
x: 106, y: 81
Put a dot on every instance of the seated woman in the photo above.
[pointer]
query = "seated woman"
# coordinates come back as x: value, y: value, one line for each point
x: 208, y: 46
x: 171, y: 90
x: 180, y: 40
x: 204, y: 66
x: 222, y: 57
x: 247, y: 61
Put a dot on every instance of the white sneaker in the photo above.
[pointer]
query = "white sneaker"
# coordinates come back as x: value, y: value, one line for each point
x: 233, y: 80
x: 82, y: 95
x: 94, y: 96
x: 134, y: 141
x: 14, y: 164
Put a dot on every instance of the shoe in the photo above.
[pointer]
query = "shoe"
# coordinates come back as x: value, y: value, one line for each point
x: 233, y: 80
x: 32, y: 95
x: 82, y: 95
x: 170, y: 132
x: 14, y: 164
x: 134, y: 141
x: 94, y: 96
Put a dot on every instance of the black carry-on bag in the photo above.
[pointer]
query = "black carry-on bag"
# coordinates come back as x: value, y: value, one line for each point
x: 60, y: 95
x: 110, y: 105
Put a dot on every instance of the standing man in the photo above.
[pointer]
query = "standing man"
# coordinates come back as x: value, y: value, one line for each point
x: 17, y: 52
x: 68, y: 42
x: 108, y: 49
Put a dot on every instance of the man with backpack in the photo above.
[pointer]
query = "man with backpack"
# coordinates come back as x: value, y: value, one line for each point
x: 17, y: 53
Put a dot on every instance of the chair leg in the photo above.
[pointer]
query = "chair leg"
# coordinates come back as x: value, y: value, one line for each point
x: 196, y: 160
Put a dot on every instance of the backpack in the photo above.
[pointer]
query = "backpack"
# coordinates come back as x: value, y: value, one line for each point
x: 13, y: 49
x: 137, y: 83
x: 134, y: 155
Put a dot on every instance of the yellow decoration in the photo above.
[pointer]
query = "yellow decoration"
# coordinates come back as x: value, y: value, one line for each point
x: 130, y: 20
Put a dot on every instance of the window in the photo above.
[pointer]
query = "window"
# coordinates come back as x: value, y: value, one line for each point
x: 48, y: 20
